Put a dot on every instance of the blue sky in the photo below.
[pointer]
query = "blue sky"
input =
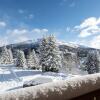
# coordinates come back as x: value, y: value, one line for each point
x: 76, y: 21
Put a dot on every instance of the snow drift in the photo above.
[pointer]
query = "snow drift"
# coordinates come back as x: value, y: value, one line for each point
x: 58, y: 90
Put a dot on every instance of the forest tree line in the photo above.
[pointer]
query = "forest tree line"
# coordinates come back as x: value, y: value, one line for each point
x: 50, y: 58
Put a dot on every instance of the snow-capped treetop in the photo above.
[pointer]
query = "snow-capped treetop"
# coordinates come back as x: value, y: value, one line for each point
x: 6, y: 56
x: 21, y: 60
x: 50, y: 57
x: 92, y: 62
x: 32, y: 60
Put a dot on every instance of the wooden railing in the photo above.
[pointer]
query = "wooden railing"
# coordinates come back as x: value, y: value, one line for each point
x: 95, y: 95
x: 78, y: 88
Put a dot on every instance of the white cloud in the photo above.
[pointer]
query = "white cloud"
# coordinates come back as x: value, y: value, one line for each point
x: 3, y: 41
x: 44, y: 30
x: 38, y: 33
x: 17, y: 31
x: 92, y: 21
x: 89, y: 26
x: 95, y: 42
x: 37, y: 30
x: 89, y: 31
x: 68, y: 29
x: 20, y: 35
x: 2, y: 24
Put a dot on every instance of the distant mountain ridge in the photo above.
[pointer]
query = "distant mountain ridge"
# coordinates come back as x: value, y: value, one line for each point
x: 71, y: 47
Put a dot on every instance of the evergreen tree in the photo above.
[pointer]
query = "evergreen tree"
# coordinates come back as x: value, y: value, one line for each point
x: 50, y: 57
x: 93, y: 62
x: 21, y: 60
x: 69, y: 61
x: 6, y: 56
x: 36, y: 60
x: 10, y: 56
x: 32, y: 60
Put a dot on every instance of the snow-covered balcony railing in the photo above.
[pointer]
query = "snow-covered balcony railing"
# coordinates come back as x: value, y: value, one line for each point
x: 81, y: 87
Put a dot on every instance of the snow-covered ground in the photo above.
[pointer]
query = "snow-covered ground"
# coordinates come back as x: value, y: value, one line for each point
x: 13, y: 78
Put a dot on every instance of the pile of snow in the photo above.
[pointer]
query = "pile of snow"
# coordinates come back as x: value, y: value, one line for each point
x: 59, y: 90
x: 37, y: 81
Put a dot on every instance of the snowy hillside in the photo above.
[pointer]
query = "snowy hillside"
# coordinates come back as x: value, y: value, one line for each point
x: 68, y: 44
x: 34, y: 44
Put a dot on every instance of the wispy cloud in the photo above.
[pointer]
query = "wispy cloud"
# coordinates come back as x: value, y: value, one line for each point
x: 62, y: 2
x: 21, y: 11
x: 88, y: 27
x: 17, y: 32
x: 38, y: 33
x: 69, y: 3
x: 72, y: 4
x: 31, y: 16
x: 68, y: 29
x: 4, y: 41
x: 2, y: 24
x: 37, y: 30
x: 95, y: 42
x: 20, y: 35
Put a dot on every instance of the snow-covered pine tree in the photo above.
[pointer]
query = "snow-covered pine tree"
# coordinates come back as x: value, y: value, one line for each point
x: 43, y: 52
x: 36, y: 60
x: 6, y: 56
x: 93, y: 62
x: 21, y: 60
x: 32, y: 60
x: 10, y: 56
x: 67, y: 61
x: 50, y: 58
x: 29, y: 59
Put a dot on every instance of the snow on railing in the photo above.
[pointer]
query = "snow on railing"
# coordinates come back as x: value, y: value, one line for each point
x: 58, y: 90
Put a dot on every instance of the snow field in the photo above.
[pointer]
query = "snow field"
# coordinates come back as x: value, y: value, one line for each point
x: 13, y: 80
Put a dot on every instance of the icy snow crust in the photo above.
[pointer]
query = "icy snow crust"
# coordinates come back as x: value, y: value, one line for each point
x: 57, y: 90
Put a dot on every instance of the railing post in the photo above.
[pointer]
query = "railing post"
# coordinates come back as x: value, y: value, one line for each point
x: 98, y: 95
